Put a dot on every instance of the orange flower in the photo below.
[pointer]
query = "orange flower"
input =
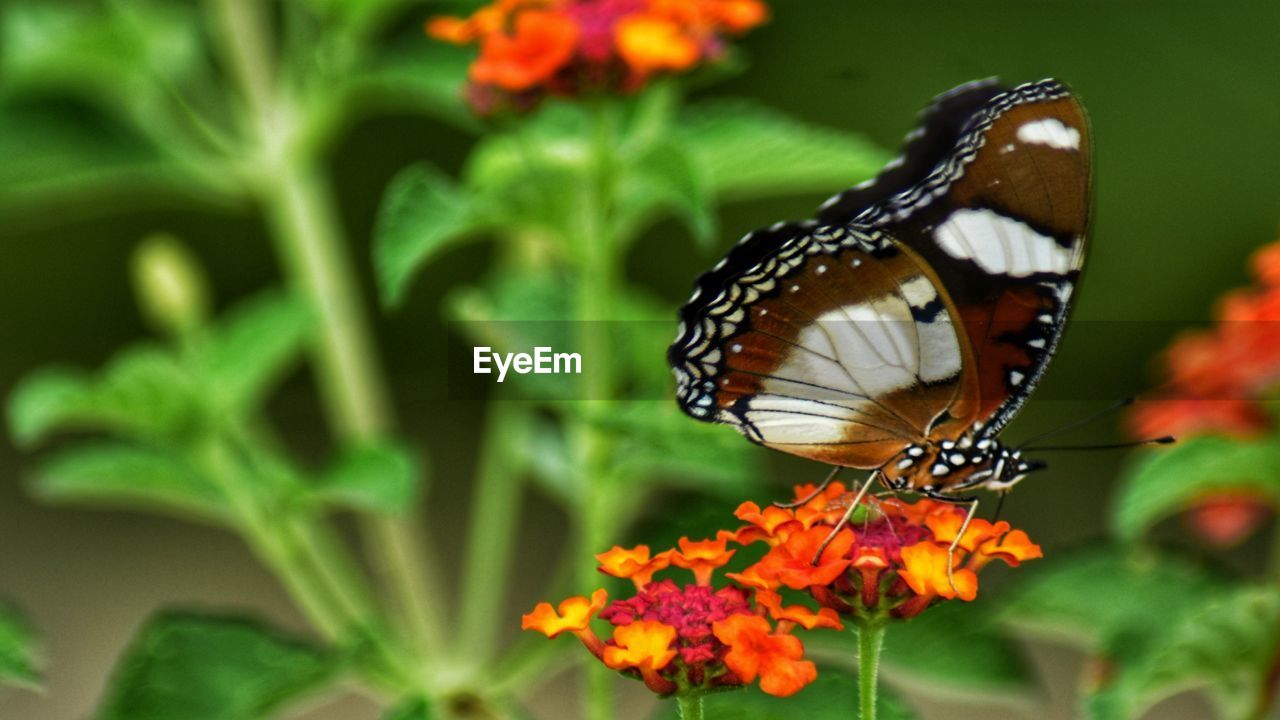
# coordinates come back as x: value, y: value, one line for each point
x: 649, y: 44
x: 1226, y: 518
x: 543, y: 43
x: 531, y: 48
x: 702, y: 557
x: 792, y: 562
x: 574, y: 615
x: 798, y: 614
x: 891, y: 561
x: 756, y: 652
x: 634, y: 564
x: 925, y: 572
x: 643, y: 645
x: 772, y: 524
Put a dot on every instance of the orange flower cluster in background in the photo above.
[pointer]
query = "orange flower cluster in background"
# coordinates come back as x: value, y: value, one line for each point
x: 894, y: 562
x: 531, y: 48
x: 692, y: 638
x: 1218, y: 381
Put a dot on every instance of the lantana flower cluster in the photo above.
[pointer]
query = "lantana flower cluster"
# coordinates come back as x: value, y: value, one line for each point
x: 1218, y: 381
x: 689, y: 639
x: 532, y: 48
x: 1217, y: 378
x: 693, y: 638
x: 894, y: 561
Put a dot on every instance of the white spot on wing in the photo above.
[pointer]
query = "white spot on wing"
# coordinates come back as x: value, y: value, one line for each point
x: 1051, y: 132
x: 1001, y: 245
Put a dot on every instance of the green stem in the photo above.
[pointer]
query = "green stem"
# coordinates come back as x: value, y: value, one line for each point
x: 870, y: 642
x: 594, y: 247
x: 490, y: 537
x: 307, y: 237
x: 690, y: 707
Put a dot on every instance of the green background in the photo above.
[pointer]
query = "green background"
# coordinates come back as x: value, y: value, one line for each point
x: 1185, y: 103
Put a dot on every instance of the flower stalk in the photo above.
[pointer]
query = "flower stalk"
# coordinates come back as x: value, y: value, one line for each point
x: 870, y: 643
x: 690, y: 706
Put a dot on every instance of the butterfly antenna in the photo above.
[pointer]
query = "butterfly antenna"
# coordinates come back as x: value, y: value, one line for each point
x: 1165, y: 440
x: 1122, y: 402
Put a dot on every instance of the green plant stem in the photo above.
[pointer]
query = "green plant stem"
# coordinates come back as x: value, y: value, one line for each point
x: 300, y: 210
x: 690, y: 707
x: 491, y: 529
x: 595, y: 250
x: 870, y: 642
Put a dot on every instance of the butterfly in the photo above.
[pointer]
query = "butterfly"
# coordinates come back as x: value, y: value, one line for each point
x: 903, y: 328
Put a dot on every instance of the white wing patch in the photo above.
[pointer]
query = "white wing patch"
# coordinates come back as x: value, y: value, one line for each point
x: 1002, y: 245
x: 1051, y: 132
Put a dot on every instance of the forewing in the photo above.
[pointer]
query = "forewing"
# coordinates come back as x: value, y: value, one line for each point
x: 822, y: 342
x: 1001, y: 219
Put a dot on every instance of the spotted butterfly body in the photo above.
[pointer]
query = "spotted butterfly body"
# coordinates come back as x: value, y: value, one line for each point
x: 904, y: 327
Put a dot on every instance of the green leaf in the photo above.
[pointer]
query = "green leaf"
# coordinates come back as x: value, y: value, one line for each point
x: 665, y: 176
x: 126, y: 57
x: 750, y: 151
x: 54, y: 155
x: 382, y: 478
x: 18, y: 664
x: 1224, y: 642
x: 143, y: 392
x: 957, y: 649
x: 129, y: 476
x: 187, y: 667
x: 833, y: 696
x: 658, y: 444
x: 411, y: 710
x: 1143, y: 593
x: 1228, y: 644
x: 252, y: 348
x: 422, y: 213
x: 426, y: 77
x: 1164, y: 482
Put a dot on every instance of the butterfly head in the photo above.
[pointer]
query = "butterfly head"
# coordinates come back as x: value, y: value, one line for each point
x: 949, y: 466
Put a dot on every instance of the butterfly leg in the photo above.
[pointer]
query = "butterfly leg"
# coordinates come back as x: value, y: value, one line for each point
x: 817, y: 491
x: 964, y: 527
x: 844, y: 520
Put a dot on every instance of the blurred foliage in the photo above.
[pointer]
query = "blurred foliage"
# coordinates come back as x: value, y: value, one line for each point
x: 830, y: 697
x: 18, y: 665
x: 190, y: 667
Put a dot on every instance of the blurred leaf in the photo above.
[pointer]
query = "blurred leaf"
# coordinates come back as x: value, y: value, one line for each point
x: 535, y: 178
x: 185, y: 667
x: 410, y: 710
x: 426, y: 77
x: 113, y: 50
x: 955, y: 649
x: 1226, y: 643
x: 129, y: 476
x: 750, y: 151
x: 141, y: 392
x: 252, y: 347
x: 422, y: 213
x: 545, y: 453
x: 17, y: 650
x: 665, y: 176
x: 380, y: 478
x: 1165, y: 482
x: 1143, y: 593
x: 658, y: 444
x: 56, y: 153
x: 833, y: 696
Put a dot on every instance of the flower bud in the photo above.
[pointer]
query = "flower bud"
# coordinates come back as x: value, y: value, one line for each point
x: 171, y: 287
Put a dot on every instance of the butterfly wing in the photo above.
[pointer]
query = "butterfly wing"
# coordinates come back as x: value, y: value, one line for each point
x: 1001, y: 216
x: 918, y: 305
x: 823, y: 342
